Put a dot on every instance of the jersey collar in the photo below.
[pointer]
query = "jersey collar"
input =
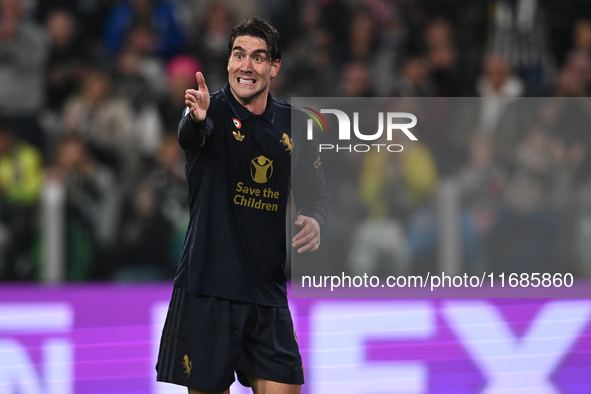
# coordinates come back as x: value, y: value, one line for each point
x: 242, y: 113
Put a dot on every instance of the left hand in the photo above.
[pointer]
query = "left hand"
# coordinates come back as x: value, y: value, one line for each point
x: 309, y: 235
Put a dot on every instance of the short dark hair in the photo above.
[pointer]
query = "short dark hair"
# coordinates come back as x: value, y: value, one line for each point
x: 258, y: 28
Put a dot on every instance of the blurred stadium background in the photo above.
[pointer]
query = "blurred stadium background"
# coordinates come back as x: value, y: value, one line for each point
x: 91, y: 94
x: 92, y: 185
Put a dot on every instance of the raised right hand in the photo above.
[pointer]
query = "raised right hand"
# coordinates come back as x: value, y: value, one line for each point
x: 198, y: 100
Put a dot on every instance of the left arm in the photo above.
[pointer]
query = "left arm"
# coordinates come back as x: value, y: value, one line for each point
x: 308, y: 180
x: 308, y: 239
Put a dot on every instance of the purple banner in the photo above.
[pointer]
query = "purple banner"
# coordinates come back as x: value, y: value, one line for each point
x: 104, y: 339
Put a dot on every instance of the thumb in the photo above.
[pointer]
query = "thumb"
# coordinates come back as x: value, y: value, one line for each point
x: 201, y: 82
x: 300, y: 221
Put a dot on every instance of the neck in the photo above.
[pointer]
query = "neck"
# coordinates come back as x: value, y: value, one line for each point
x: 256, y: 104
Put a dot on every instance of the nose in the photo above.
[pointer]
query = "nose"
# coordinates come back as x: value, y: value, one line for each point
x: 246, y: 65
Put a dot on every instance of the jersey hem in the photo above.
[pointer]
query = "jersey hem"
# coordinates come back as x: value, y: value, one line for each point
x: 234, y: 297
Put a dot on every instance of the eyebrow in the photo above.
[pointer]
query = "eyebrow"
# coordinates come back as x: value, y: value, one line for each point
x: 255, y: 52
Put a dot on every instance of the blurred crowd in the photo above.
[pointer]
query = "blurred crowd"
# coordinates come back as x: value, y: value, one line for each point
x: 91, y: 93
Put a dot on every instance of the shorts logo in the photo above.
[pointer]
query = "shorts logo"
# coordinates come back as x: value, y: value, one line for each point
x: 286, y: 141
x: 261, y: 169
x: 317, y: 163
x: 187, y: 365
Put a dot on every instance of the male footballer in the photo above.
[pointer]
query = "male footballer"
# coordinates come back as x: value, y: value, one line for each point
x: 228, y: 313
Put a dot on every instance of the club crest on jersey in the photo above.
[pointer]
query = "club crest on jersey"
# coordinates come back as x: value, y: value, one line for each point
x: 261, y: 169
x: 286, y: 141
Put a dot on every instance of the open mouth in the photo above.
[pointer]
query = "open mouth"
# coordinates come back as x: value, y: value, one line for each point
x: 246, y: 81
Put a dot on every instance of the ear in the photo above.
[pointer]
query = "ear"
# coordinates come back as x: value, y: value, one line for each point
x: 275, y: 68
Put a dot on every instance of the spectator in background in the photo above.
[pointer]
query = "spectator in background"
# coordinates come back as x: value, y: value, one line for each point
x: 90, y: 18
x: 498, y: 79
x: 156, y: 219
x: 23, y: 59
x: 481, y: 183
x: 105, y: 122
x: 129, y: 81
x: 93, y: 203
x: 169, y: 185
x: 443, y: 57
x: 498, y: 87
x: 135, y: 88
x: 310, y: 54
x: 567, y: 121
x: 582, y: 35
x: 148, y: 26
x: 356, y: 80
x: 363, y: 39
x: 398, y: 25
x: 567, y: 85
x: 574, y: 78
x: 211, y: 45
x: 321, y: 73
x: 21, y: 180
x: 518, y: 33
x: 65, y: 58
x: 317, y: 48
x: 366, y: 47
x: 396, y: 190
x: 415, y: 79
x: 528, y: 224
x: 145, y: 240
x: 180, y: 75
x: 335, y: 16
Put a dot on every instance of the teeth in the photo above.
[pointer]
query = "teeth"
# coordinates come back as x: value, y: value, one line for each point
x: 249, y: 81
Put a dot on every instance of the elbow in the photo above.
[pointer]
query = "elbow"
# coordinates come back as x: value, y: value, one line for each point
x: 183, y: 142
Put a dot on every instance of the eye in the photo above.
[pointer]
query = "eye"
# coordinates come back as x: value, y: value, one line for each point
x: 238, y: 56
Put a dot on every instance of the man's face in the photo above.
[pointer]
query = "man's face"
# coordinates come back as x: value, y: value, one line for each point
x: 250, y: 69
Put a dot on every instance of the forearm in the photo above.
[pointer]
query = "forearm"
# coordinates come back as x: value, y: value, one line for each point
x: 192, y: 135
x: 313, y: 205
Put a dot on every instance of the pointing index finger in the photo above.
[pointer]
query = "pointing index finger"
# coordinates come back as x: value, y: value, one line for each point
x: 201, y: 82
